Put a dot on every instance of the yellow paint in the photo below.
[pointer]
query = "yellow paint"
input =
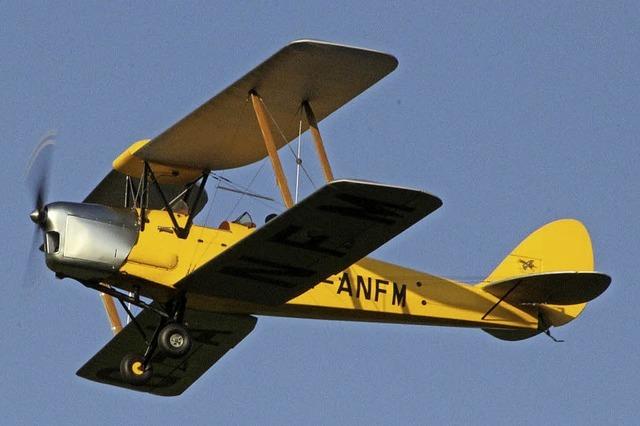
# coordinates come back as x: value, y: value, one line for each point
x: 159, y: 256
x: 370, y: 290
x: 137, y: 369
x: 131, y: 165
x: 384, y: 292
x: 562, y: 245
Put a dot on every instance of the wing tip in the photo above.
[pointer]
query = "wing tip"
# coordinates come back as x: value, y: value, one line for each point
x: 435, y: 200
x: 393, y: 61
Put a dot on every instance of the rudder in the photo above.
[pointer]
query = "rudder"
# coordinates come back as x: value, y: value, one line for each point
x: 562, y: 245
x: 559, y: 246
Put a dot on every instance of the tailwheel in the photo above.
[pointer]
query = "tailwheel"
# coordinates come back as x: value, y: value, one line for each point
x: 174, y: 340
x: 133, y: 370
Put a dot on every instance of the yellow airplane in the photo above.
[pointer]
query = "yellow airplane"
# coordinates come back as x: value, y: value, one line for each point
x: 134, y: 240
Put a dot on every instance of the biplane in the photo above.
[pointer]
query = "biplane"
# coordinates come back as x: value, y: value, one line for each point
x: 199, y: 289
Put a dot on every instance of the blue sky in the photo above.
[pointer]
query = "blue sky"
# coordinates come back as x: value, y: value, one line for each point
x: 515, y: 114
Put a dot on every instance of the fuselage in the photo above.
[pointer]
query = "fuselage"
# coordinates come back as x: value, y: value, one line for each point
x: 94, y: 243
x: 370, y: 290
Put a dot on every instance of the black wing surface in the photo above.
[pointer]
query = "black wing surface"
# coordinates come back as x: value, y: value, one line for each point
x: 322, y: 235
x: 555, y: 288
x: 213, y: 336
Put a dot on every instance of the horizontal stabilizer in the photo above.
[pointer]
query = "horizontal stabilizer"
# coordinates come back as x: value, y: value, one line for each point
x: 325, y: 233
x: 555, y: 288
x: 213, y: 336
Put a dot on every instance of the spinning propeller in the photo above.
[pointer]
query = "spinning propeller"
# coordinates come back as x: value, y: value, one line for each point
x: 37, y: 175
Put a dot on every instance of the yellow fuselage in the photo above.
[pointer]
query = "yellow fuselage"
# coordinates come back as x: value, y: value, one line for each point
x: 369, y: 290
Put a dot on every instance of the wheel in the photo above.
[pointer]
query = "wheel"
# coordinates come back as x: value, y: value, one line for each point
x: 174, y: 340
x: 133, y: 371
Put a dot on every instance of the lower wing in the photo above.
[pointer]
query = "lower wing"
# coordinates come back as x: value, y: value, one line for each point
x: 213, y: 336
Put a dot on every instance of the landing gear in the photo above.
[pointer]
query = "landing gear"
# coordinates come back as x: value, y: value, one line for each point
x: 134, y: 371
x: 174, y: 340
x: 170, y: 336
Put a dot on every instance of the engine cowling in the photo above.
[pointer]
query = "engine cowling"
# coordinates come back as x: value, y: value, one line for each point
x: 88, y: 241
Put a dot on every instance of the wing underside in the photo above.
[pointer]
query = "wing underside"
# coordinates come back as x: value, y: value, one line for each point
x: 325, y: 233
x: 223, y: 133
x: 213, y: 336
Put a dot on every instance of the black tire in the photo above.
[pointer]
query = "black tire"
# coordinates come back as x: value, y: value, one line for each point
x: 132, y: 371
x: 174, y: 340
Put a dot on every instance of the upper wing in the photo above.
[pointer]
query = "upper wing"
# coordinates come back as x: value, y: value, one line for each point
x: 213, y: 336
x: 325, y: 233
x: 111, y: 192
x: 223, y: 133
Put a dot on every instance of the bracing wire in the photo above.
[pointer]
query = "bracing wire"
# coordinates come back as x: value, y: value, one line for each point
x: 280, y: 205
x: 298, y: 160
x: 306, y: 173
x: 233, y: 187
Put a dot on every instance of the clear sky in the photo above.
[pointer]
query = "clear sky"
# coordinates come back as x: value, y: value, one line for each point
x: 514, y: 113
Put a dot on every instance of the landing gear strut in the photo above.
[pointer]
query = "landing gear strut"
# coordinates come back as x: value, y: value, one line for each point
x: 171, y: 337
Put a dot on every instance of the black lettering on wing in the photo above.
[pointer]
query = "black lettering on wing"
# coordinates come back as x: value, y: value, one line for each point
x: 302, y: 238
x: 368, y: 209
x: 266, y: 271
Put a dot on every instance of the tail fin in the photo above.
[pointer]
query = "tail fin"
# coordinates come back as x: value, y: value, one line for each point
x: 563, y: 245
x: 560, y: 246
